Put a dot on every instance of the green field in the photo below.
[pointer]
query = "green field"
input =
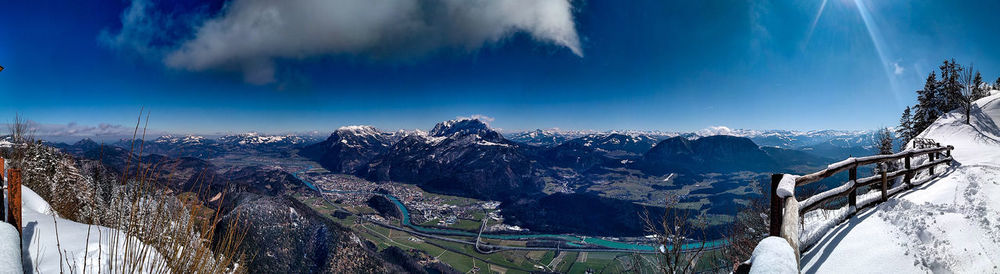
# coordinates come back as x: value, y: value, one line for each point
x: 463, y: 257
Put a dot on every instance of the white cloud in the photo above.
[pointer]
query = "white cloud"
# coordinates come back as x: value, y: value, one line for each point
x: 715, y: 130
x: 897, y: 69
x: 251, y: 35
x: 480, y: 117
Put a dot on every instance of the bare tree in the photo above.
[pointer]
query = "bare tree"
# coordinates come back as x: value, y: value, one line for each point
x: 674, y: 231
x: 969, y: 90
x: 22, y: 137
x: 750, y: 225
x: 20, y: 130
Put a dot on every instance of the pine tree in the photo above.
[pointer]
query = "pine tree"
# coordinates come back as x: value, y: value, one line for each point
x: 941, y: 95
x: 905, y: 129
x: 949, y: 94
x: 883, y: 140
x: 996, y: 85
x: 926, y: 110
x: 978, y: 89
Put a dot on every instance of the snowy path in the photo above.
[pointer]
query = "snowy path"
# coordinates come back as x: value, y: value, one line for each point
x: 950, y: 224
x: 947, y: 225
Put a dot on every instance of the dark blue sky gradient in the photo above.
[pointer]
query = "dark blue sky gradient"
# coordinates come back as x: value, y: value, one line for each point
x: 667, y: 65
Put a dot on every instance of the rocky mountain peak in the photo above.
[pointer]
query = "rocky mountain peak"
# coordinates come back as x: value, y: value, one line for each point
x: 357, y: 130
x: 462, y: 127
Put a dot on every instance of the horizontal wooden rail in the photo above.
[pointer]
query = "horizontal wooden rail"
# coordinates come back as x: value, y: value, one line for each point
x: 855, y: 162
x: 786, y: 212
x: 810, y: 203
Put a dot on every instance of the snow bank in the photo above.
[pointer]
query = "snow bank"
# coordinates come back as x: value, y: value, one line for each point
x: 73, y: 245
x: 10, y: 249
x: 30, y: 201
x: 773, y: 255
x: 978, y: 142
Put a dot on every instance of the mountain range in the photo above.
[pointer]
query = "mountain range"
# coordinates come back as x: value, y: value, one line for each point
x: 824, y: 143
x: 466, y: 157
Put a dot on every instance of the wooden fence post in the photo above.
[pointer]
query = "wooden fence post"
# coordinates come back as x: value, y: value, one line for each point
x: 2, y: 184
x: 852, y: 198
x: 885, y: 186
x: 14, y: 190
x: 777, y: 204
x: 931, y: 169
x: 909, y: 173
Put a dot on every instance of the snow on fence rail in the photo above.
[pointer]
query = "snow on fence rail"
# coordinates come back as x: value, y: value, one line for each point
x: 788, y: 215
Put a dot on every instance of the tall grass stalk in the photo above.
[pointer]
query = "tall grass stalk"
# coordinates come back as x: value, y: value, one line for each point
x: 157, y: 232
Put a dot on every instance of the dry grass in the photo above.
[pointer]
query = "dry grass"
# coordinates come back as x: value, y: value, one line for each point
x: 157, y: 232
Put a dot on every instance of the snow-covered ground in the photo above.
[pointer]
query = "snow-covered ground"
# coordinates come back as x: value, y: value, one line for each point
x: 950, y: 224
x: 41, y: 250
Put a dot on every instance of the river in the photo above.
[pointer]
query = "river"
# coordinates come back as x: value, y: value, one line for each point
x: 570, y: 239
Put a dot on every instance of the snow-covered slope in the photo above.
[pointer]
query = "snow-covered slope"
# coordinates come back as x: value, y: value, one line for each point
x: 951, y: 224
x: 80, y: 244
x: 978, y: 142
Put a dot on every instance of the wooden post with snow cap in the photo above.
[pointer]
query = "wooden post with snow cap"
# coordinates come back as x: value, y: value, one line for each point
x: 776, y: 206
x: 790, y: 221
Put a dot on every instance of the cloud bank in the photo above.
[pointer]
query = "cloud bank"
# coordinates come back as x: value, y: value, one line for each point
x: 74, y: 131
x: 251, y: 35
x: 715, y: 130
x: 480, y: 117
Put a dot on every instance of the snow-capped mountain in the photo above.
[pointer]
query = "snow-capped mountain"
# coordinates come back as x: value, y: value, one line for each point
x: 618, y: 145
x: 184, y: 140
x: 463, y: 155
x: 173, y: 145
x: 206, y: 148
x: 545, y: 137
x: 465, y: 127
x: 253, y: 138
x: 350, y: 148
x: 794, y: 138
x: 555, y: 137
x: 773, y: 138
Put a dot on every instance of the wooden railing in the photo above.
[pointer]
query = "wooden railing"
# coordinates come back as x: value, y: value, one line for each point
x: 786, y: 212
x: 10, y: 198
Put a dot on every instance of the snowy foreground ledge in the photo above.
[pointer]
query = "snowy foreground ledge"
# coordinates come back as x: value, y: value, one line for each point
x: 77, y: 247
x: 10, y: 257
x: 773, y: 255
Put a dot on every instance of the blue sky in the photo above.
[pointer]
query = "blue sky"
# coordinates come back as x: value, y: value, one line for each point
x: 666, y: 65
